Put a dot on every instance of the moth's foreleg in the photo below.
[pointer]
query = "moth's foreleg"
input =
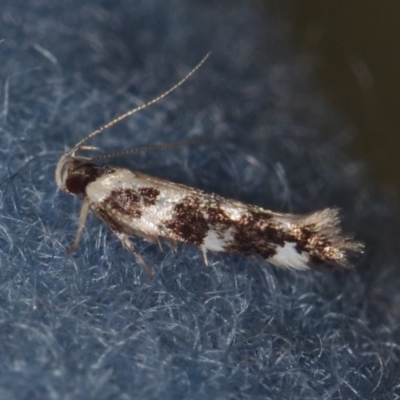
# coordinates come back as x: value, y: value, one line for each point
x: 130, y: 246
x: 81, y: 224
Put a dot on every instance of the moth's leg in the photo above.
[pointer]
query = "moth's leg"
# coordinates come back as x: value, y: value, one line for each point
x: 130, y: 246
x: 172, y: 244
x: 205, y: 259
x: 81, y: 224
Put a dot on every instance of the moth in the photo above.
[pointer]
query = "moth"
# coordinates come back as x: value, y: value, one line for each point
x: 135, y: 204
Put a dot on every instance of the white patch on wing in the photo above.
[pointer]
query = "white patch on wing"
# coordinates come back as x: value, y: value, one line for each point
x: 101, y: 188
x: 288, y: 256
x: 214, y: 242
x: 234, y: 210
x: 284, y: 222
x: 152, y: 216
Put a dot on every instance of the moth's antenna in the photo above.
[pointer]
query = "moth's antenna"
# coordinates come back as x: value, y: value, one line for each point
x: 143, y: 106
x: 154, y: 147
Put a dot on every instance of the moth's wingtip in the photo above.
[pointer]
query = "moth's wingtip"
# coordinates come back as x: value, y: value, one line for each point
x: 351, y: 252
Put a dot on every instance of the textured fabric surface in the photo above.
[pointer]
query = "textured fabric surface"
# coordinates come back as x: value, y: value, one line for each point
x: 92, y: 325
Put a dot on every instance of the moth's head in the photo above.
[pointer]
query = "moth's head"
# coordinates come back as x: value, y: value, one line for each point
x: 73, y: 173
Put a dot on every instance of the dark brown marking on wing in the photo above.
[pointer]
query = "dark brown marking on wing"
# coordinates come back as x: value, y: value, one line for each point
x: 149, y: 195
x: 125, y: 201
x: 256, y: 233
x: 194, y: 216
x: 188, y: 221
x: 217, y: 215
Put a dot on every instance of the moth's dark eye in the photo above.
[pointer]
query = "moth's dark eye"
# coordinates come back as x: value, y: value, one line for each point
x: 76, y: 184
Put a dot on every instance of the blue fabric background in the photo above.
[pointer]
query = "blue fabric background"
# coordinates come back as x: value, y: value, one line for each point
x: 91, y: 325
